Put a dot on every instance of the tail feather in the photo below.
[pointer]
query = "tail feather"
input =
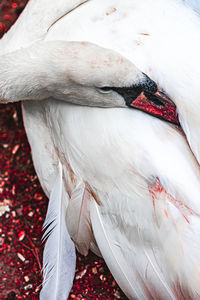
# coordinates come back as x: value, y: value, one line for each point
x: 59, y: 257
x: 115, y: 264
x: 135, y: 269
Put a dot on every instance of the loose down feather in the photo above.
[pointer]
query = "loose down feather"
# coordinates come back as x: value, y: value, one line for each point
x: 78, y: 218
x: 59, y: 253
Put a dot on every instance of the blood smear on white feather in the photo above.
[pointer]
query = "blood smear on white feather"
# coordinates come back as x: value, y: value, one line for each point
x: 111, y: 11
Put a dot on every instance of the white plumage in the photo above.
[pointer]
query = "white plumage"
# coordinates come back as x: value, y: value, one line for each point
x: 145, y: 206
x: 136, y: 173
x: 59, y: 257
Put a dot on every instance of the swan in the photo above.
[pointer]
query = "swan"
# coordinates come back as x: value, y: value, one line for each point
x: 128, y: 176
x: 178, y: 25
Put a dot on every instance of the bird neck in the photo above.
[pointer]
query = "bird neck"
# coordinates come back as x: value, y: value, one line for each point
x: 43, y: 70
x: 25, y: 74
x: 30, y: 73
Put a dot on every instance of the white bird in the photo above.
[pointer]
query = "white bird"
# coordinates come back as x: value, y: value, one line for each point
x: 128, y: 176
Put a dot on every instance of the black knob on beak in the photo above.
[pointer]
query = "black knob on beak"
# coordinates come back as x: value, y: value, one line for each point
x: 148, y: 85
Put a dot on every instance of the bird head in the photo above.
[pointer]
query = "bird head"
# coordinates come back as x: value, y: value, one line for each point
x: 96, y: 76
x: 76, y: 72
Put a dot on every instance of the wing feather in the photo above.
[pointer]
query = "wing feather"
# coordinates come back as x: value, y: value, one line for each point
x: 114, y: 262
x: 134, y: 267
x: 59, y: 257
x: 78, y: 218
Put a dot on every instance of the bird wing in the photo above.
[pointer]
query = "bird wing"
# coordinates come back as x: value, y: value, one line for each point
x: 145, y: 196
x: 149, y: 243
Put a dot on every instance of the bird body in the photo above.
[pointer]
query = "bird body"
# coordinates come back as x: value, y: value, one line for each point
x: 149, y: 36
x: 171, y: 28
x: 132, y: 181
x: 138, y: 194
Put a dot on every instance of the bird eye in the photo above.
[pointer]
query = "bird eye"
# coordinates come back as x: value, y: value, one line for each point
x: 105, y: 90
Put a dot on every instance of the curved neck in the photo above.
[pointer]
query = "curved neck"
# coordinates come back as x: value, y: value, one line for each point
x: 38, y: 72
x: 22, y: 77
x: 32, y: 25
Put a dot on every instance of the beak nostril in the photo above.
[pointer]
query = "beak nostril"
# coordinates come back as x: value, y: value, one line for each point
x: 155, y: 99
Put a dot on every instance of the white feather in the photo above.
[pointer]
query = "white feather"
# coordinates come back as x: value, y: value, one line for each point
x: 78, y: 218
x: 110, y: 151
x: 59, y: 252
x: 127, y: 262
x: 112, y: 260
x: 135, y: 236
x: 34, y: 22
